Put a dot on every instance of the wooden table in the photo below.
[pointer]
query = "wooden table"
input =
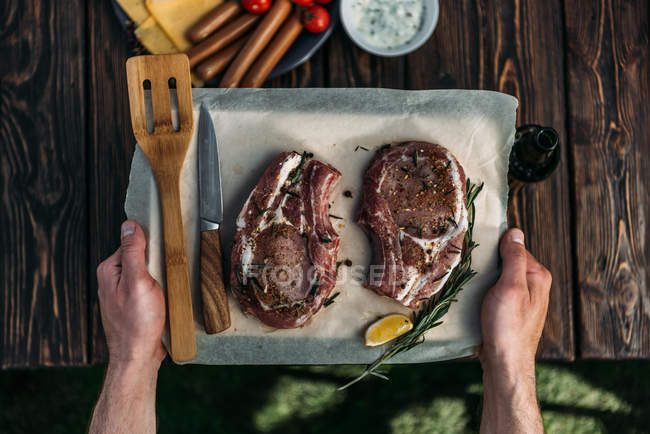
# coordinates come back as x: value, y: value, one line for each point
x: 580, y: 66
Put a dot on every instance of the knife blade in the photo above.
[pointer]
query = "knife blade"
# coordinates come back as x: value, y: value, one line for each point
x: 210, y: 198
x: 216, y: 314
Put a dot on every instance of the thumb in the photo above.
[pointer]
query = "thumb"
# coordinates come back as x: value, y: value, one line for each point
x: 132, y: 250
x: 514, y: 257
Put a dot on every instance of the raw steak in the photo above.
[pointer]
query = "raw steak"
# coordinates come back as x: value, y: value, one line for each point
x: 413, y: 210
x: 283, y: 264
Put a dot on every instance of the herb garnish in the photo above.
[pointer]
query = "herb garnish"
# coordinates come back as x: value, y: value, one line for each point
x: 314, y: 287
x: 452, y: 221
x: 298, y: 171
x: 361, y: 147
x: 431, y: 313
x: 290, y: 193
x: 335, y: 217
x: 257, y: 283
x: 259, y: 210
x: 415, y: 158
x: 239, y: 274
x: 331, y: 299
x: 417, y: 228
x: 324, y: 239
x: 440, y: 277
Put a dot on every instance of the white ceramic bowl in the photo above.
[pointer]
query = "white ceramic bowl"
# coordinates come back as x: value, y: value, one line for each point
x: 429, y: 21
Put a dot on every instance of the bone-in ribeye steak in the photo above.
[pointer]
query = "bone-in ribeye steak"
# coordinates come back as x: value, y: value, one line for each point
x: 283, y: 264
x: 413, y: 210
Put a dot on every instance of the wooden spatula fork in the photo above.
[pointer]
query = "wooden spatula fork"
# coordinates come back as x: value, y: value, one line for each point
x: 165, y: 147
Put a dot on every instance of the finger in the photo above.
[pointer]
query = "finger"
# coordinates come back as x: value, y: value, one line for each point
x: 132, y: 251
x: 539, y: 280
x: 514, y: 258
x: 109, y: 271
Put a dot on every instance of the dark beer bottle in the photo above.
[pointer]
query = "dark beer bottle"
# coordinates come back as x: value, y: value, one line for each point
x: 535, y: 153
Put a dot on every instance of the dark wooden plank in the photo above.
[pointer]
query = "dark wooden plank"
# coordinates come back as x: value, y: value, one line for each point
x: 350, y: 66
x: 609, y: 128
x: 515, y: 47
x: 309, y: 74
x: 110, y: 151
x: 43, y: 218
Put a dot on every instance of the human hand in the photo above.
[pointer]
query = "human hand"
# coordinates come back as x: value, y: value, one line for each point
x: 132, y: 303
x: 514, y: 310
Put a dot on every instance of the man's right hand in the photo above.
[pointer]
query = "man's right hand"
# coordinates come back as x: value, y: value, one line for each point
x: 514, y: 309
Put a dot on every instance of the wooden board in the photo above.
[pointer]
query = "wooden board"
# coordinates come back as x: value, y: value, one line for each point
x: 309, y: 74
x: 515, y: 47
x: 350, y: 66
x: 110, y: 151
x: 609, y: 127
x: 43, y: 217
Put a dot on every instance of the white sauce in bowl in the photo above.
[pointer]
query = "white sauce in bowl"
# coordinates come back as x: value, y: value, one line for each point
x: 387, y: 23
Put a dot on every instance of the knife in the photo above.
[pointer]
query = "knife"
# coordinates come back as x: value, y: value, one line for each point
x: 215, y: 301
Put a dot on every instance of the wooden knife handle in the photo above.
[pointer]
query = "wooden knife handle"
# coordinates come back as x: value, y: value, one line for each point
x: 215, y: 301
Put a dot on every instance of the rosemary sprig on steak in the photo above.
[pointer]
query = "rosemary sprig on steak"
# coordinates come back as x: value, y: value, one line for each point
x: 430, y: 315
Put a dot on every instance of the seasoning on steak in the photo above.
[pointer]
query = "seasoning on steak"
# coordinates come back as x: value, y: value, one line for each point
x: 413, y: 210
x: 283, y: 264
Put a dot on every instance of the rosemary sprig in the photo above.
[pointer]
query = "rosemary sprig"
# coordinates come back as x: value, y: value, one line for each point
x: 441, y: 277
x: 417, y: 228
x: 452, y: 221
x: 259, y: 210
x: 298, y: 171
x: 289, y: 192
x: 431, y: 314
x: 331, y: 299
x: 314, y: 287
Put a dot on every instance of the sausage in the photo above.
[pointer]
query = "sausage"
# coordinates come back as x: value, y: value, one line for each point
x: 221, y: 38
x: 273, y: 53
x: 214, y: 19
x: 258, y: 40
x: 218, y: 61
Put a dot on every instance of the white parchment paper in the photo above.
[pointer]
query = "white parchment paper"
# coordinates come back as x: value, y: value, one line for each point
x: 254, y: 125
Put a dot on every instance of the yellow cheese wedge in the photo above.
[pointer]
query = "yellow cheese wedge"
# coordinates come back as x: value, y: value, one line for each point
x: 153, y: 38
x: 156, y: 41
x: 177, y: 16
x: 135, y: 9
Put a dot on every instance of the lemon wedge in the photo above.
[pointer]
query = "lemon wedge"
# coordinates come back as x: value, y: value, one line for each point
x: 386, y: 329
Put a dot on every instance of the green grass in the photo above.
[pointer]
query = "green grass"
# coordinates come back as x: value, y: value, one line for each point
x: 583, y: 397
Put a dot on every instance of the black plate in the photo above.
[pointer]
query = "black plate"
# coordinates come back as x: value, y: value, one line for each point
x: 301, y: 50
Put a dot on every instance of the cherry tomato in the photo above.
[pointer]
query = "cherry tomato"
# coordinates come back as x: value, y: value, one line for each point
x: 256, y: 6
x: 316, y: 19
x: 303, y: 2
x: 323, y: 2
